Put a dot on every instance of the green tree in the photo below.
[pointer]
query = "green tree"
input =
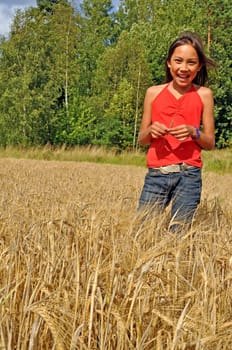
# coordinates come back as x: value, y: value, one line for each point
x: 96, y: 34
x: 97, y: 30
x: 136, y: 11
x: 16, y: 97
x: 79, y: 76
x: 38, y: 69
x: 63, y: 67
x: 47, y: 5
x: 220, y: 46
x: 83, y: 124
x: 123, y: 67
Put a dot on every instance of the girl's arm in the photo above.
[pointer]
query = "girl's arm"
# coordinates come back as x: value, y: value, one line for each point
x: 149, y: 130
x: 207, y: 136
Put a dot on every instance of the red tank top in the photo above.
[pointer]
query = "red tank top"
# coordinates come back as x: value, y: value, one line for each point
x: 169, y: 110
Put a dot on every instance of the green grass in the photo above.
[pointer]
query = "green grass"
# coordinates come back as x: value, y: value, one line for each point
x: 219, y: 161
x: 78, y: 154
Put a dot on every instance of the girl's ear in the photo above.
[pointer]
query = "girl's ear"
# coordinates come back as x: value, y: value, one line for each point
x: 168, y: 64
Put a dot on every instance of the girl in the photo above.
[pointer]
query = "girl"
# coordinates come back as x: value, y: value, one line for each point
x: 173, y: 113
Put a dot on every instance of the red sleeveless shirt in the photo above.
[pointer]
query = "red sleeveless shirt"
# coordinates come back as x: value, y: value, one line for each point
x: 169, y: 110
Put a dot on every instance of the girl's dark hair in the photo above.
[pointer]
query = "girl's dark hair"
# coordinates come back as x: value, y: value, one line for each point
x: 194, y: 40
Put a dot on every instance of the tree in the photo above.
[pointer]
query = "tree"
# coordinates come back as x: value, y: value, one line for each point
x: 47, y: 5
x: 39, y: 69
x: 64, y: 70
x: 16, y: 97
x: 80, y: 76
x: 220, y: 46
x: 123, y: 67
x: 97, y: 29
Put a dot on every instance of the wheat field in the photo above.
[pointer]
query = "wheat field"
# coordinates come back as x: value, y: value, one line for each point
x: 81, y: 270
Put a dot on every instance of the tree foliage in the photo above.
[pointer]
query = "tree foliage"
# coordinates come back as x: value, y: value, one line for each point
x: 78, y: 75
x: 220, y: 45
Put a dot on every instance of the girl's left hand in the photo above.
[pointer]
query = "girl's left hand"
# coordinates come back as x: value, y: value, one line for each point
x: 182, y: 132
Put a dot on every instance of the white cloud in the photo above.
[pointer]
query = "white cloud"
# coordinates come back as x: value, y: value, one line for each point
x: 7, y: 12
x: 5, y: 19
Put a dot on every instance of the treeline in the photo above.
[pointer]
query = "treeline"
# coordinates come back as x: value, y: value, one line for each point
x: 78, y: 76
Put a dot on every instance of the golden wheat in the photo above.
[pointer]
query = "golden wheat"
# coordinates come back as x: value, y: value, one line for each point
x: 81, y: 270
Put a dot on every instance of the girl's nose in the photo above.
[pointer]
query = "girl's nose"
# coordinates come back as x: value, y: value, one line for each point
x: 184, y: 66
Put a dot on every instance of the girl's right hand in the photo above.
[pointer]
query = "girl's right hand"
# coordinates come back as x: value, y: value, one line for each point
x: 158, y: 130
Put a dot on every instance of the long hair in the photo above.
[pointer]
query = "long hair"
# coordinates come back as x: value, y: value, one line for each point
x: 193, y: 39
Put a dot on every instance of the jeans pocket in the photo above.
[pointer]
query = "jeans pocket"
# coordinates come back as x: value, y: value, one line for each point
x: 193, y: 172
x: 153, y: 172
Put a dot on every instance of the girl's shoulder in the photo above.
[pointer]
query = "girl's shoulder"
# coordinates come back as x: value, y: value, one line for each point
x: 204, y: 91
x: 154, y: 91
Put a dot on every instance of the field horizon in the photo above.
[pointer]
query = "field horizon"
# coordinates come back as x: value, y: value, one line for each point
x: 217, y: 160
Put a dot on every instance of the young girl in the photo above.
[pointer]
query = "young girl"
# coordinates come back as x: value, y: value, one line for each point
x: 173, y: 113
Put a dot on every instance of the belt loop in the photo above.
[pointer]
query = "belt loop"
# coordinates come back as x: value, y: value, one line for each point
x: 184, y: 166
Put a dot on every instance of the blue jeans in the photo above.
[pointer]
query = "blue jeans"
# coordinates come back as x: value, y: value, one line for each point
x: 182, y: 189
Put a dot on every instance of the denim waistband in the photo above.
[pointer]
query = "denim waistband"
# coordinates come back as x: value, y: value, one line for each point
x: 173, y: 168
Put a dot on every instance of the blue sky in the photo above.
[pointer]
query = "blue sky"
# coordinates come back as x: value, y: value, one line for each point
x: 8, y: 8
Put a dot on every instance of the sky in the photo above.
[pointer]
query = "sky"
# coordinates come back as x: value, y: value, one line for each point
x: 7, y: 12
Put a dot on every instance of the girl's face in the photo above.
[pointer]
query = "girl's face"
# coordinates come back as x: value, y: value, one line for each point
x: 184, y: 65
